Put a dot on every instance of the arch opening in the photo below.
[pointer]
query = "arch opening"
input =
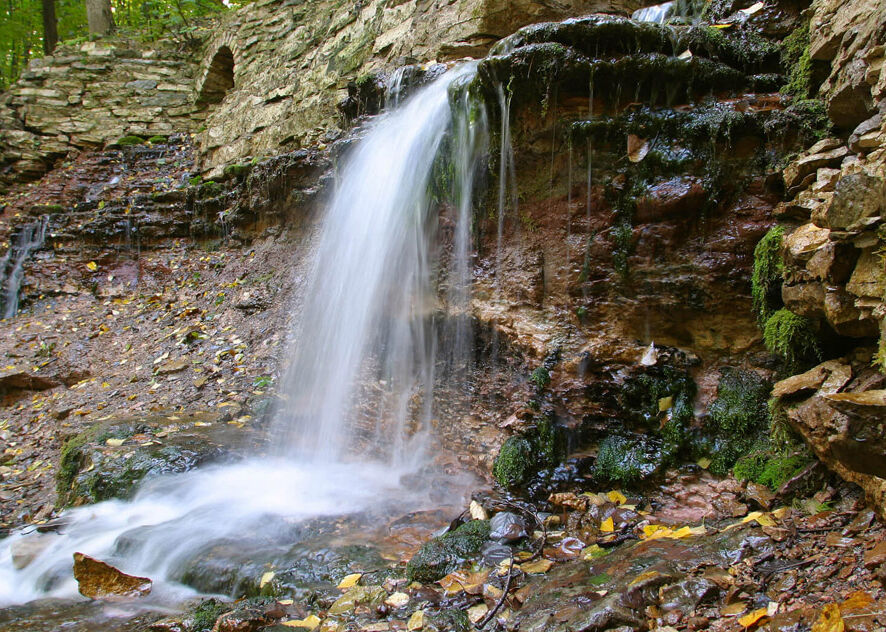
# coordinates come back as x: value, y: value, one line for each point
x: 219, y: 77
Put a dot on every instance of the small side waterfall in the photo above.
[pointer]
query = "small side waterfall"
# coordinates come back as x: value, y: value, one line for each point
x: 12, y: 271
x: 362, y: 370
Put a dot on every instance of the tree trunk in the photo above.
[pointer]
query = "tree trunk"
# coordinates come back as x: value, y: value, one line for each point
x: 50, y: 27
x: 99, y: 16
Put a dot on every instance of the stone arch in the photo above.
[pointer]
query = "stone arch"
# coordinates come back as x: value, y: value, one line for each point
x: 218, y: 77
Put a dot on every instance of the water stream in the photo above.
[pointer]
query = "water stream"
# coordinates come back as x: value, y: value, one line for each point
x: 359, y: 387
x: 30, y: 237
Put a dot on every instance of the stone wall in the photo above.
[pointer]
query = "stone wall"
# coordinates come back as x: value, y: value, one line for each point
x: 89, y: 95
x: 293, y: 60
x: 833, y: 251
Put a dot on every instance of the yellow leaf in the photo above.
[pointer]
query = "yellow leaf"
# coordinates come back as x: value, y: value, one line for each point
x: 617, y: 497
x: 92, y: 265
x: 266, y: 578
x: 829, y: 620
x: 856, y: 601
x: 397, y: 600
x: 751, y: 10
x: 350, y: 581
x: 537, y: 566
x: 722, y: 26
x: 760, y: 518
x: 477, y: 511
x: 781, y: 512
x: 476, y: 613
x: 593, y: 552
x: 607, y: 526
x: 665, y: 403
x: 116, y: 443
x: 416, y: 621
x: 642, y: 577
x: 750, y: 619
x: 285, y: 602
x: 310, y: 622
x: 704, y: 462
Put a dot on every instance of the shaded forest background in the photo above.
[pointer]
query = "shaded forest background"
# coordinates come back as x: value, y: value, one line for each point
x: 32, y: 28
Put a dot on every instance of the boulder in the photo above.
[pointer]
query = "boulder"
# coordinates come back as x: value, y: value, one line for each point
x: 816, y: 158
x: 857, y: 196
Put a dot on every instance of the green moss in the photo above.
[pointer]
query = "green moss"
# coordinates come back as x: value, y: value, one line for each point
x: 514, y: 463
x: 792, y: 338
x: 449, y: 620
x: 237, y: 171
x: 741, y: 406
x: 771, y: 470
x: 157, y: 140
x: 549, y: 444
x: 796, y: 58
x: 766, y: 276
x: 130, y: 140
x: 623, y: 238
x: 441, y: 556
x: 541, y: 377
x: 204, y: 616
x: 645, y: 396
x: 626, y: 460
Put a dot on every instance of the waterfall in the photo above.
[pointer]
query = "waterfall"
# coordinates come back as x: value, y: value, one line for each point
x: 359, y: 387
x: 656, y: 14
x: 30, y: 237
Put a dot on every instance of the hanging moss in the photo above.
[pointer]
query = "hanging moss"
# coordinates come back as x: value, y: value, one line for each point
x: 766, y: 276
x: 541, y: 377
x: 513, y: 465
x: 627, y: 461
x: 741, y: 406
x: 796, y: 58
x: 792, y: 338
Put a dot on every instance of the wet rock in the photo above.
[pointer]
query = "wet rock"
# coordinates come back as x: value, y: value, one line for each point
x: 109, y: 460
x: 675, y: 198
x: 864, y: 128
x: 24, y: 551
x: 876, y: 556
x: 687, y: 594
x: 98, y: 580
x: 806, y: 240
x: 507, y: 527
x: 494, y: 553
x: 371, y: 596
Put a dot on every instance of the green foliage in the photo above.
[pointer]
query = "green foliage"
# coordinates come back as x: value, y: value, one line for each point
x: 626, y: 460
x: 798, y: 62
x: 741, y: 406
x: 513, y: 465
x: 541, y: 377
x: 766, y: 275
x: 623, y: 236
x: 792, y: 338
x: 157, y: 139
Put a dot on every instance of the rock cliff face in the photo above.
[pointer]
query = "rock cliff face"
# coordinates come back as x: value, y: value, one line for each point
x: 834, y: 239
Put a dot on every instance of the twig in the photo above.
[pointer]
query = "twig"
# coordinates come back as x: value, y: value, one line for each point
x: 504, y: 595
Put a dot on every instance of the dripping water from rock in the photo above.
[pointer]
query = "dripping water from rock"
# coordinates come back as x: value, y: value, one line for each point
x: 29, y: 238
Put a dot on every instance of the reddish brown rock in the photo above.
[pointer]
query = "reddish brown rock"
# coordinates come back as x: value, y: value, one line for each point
x: 99, y: 580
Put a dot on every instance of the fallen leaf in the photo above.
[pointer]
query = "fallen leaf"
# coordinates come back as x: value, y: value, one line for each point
x: 593, y: 552
x: 476, y: 613
x: 285, y: 602
x: 686, y: 54
x: 617, y: 497
x: 92, y: 265
x: 416, y: 621
x: 349, y: 581
x: 607, y: 526
x: 760, y: 518
x: 470, y: 583
x: 538, y: 566
x: 477, y: 511
x: 733, y: 609
x: 266, y: 578
x: 829, y: 620
x: 722, y: 26
x: 397, y: 600
x: 856, y: 601
x: 310, y: 622
x: 116, y: 443
x: 751, y: 10
x: 637, y: 148
x: 754, y: 617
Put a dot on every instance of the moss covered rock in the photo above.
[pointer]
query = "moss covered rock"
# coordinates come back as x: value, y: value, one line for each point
x: 522, y: 456
x: 628, y: 460
x: 441, y: 556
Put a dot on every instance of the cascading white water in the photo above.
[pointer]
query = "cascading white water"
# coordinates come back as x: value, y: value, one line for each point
x: 656, y: 14
x: 366, y: 317
x: 363, y: 350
